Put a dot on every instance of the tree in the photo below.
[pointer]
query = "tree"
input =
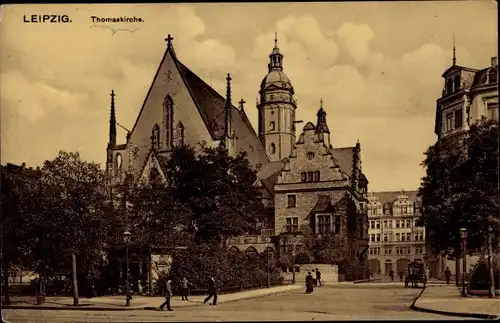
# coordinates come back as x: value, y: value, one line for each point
x: 332, y: 249
x: 460, y: 189
x: 72, y: 217
x: 15, y: 224
x: 219, y: 190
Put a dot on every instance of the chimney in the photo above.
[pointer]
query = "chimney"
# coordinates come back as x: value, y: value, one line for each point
x: 23, y: 165
x: 494, y: 61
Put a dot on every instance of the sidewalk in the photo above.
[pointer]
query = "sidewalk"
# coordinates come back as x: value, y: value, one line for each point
x: 449, y: 301
x: 117, y: 303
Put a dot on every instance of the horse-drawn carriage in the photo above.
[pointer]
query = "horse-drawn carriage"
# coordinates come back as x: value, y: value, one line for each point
x: 416, y: 274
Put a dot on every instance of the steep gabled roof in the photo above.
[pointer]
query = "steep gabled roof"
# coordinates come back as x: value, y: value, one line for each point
x: 270, y: 172
x: 388, y: 198
x: 345, y: 158
x: 210, y: 103
x: 458, y: 67
x: 324, y: 204
x: 211, y: 106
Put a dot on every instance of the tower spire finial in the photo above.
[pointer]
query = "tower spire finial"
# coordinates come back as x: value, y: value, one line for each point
x: 275, y: 39
x: 228, y: 107
x: 169, y: 40
x: 321, y: 103
x: 112, y: 121
x: 454, y: 55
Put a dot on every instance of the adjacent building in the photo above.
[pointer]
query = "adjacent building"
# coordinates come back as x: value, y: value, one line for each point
x: 468, y: 95
x: 394, y: 238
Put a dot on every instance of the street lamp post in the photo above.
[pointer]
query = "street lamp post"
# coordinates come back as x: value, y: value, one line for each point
x: 126, y: 239
x: 463, y: 239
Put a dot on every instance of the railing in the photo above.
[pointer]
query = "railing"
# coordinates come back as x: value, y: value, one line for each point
x: 267, y: 232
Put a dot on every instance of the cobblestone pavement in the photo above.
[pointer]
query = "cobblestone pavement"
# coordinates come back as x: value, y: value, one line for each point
x: 326, y: 303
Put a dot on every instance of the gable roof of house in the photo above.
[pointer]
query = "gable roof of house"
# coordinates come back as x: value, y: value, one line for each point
x: 388, y: 198
x: 345, y: 159
x: 270, y: 172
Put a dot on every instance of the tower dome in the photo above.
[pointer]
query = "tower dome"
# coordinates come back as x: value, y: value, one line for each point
x: 276, y: 79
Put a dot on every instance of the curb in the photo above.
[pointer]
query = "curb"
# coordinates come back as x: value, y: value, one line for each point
x: 457, y: 314
x: 366, y: 280
x: 132, y: 308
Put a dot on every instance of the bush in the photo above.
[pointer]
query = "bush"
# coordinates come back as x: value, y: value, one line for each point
x: 481, y: 276
x: 231, y: 270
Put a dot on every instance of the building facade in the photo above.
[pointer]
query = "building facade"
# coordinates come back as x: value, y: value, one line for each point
x: 394, y: 238
x: 468, y: 95
x: 304, y: 181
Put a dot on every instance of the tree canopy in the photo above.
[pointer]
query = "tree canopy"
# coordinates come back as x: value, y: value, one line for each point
x: 460, y: 188
x: 219, y: 191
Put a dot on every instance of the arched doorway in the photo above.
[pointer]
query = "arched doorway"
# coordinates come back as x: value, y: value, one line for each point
x: 234, y: 249
x: 374, y: 265
x: 251, y: 251
x: 402, y: 264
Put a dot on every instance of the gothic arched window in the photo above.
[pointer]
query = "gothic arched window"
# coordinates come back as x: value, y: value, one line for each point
x: 155, y: 137
x: 154, y: 175
x: 168, y: 120
x: 118, y: 165
x: 180, y: 134
x: 272, y: 148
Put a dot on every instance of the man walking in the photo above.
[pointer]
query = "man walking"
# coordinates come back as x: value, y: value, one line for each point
x: 318, y: 276
x: 447, y: 275
x: 185, y: 288
x: 212, y: 291
x: 168, y: 295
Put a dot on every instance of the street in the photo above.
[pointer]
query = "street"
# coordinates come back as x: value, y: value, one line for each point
x: 356, y: 302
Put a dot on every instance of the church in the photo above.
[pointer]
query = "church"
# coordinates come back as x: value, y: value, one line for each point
x: 305, y: 181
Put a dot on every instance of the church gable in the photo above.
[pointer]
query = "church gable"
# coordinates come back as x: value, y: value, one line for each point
x: 168, y: 104
x: 152, y: 170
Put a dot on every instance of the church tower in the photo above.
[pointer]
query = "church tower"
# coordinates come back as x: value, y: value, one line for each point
x: 277, y: 109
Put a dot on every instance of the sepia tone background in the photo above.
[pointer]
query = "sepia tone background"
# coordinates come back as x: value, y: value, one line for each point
x: 377, y: 67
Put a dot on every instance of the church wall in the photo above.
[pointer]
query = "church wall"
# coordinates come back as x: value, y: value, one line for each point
x: 185, y: 111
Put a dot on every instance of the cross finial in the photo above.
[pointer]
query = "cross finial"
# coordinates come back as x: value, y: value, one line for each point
x: 275, y: 39
x: 112, y: 94
x: 321, y: 103
x: 242, y: 102
x: 169, y: 40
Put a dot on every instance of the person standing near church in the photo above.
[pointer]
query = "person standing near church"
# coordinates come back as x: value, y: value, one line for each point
x: 185, y: 288
x: 212, y: 291
x: 318, y: 276
x: 168, y: 295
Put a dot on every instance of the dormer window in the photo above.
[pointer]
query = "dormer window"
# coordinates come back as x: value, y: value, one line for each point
x: 456, y: 83
x: 449, y: 86
x: 492, y: 76
x: 310, y: 155
x: 271, y: 126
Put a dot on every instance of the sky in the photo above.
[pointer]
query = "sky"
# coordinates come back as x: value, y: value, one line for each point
x: 377, y: 67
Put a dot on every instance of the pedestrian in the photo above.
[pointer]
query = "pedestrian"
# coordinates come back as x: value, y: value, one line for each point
x: 401, y: 274
x: 185, y: 288
x: 212, y: 291
x: 391, y: 274
x: 318, y: 276
x: 407, y: 278
x: 309, y: 283
x: 447, y: 275
x: 168, y: 295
